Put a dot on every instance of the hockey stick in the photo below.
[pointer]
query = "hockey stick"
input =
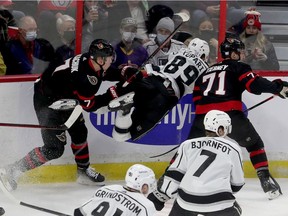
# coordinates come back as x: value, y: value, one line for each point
x: 184, y: 18
x: 248, y: 109
x: 77, y: 110
x: 260, y: 103
x: 13, y: 199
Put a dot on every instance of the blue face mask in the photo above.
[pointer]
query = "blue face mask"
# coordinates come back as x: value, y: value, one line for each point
x: 161, y: 38
x: 31, y: 35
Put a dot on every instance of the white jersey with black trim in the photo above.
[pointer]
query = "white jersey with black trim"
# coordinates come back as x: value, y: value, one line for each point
x: 203, y: 172
x: 115, y: 200
x: 183, y: 66
x: 161, y: 57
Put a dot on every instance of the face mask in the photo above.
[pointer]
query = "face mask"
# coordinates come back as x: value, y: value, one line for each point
x: 161, y: 38
x: 69, y: 36
x: 206, y: 35
x: 31, y: 36
x: 128, y: 36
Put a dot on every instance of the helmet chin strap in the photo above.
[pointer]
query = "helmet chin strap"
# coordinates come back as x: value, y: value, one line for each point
x: 101, y: 66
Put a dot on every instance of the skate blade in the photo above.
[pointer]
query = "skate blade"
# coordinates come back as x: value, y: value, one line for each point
x: 89, y: 183
x: 273, y: 194
x: 4, y: 181
x: 121, y: 101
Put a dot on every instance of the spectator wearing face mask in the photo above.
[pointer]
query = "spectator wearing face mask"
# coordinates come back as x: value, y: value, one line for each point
x: 260, y: 52
x: 129, y: 50
x: 164, y: 29
x: 207, y: 32
x: 27, y: 54
x: 64, y: 45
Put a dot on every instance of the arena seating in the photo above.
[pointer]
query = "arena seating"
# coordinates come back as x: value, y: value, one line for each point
x: 275, y: 26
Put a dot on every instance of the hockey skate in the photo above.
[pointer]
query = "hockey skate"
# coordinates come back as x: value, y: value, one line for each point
x: 2, y: 211
x: 9, y: 177
x: 269, y: 184
x: 90, y: 177
x: 123, y: 103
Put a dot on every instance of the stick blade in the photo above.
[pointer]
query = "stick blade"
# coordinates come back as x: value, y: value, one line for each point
x: 184, y: 16
x: 73, y: 117
x: 64, y: 104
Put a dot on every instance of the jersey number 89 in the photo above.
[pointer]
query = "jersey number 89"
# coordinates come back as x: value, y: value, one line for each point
x: 183, y: 71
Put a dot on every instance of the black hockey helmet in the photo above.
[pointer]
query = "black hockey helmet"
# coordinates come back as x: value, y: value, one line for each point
x: 230, y: 45
x: 101, y: 48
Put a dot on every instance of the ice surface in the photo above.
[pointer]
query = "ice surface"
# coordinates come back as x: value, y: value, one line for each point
x: 65, y: 197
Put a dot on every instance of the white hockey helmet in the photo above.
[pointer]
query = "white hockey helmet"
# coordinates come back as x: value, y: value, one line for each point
x: 215, y: 119
x: 138, y: 175
x: 200, y: 48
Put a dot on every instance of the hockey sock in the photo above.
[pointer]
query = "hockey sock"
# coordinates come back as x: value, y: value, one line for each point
x: 122, y: 124
x: 33, y: 159
x: 81, y: 153
x: 259, y: 159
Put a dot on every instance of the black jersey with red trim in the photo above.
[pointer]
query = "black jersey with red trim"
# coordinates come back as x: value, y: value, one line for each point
x: 76, y: 79
x: 222, y: 85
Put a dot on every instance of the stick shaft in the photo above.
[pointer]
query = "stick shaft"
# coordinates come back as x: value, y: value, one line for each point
x: 26, y: 126
x: 260, y: 103
x: 42, y: 209
x: 70, y: 121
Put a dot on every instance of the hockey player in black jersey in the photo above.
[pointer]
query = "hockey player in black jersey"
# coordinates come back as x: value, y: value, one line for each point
x: 205, y: 173
x: 221, y: 87
x: 78, y: 78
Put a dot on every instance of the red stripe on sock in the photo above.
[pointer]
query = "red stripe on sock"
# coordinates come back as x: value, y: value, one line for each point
x: 262, y: 164
x: 254, y: 153
x: 40, y: 155
x: 82, y: 156
x: 29, y: 161
x: 79, y: 146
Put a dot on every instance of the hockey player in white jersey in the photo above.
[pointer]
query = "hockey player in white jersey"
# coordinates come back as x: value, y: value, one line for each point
x: 156, y: 94
x: 204, y: 173
x: 128, y: 200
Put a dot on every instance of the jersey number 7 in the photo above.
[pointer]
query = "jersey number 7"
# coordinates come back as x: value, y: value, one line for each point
x: 211, y: 157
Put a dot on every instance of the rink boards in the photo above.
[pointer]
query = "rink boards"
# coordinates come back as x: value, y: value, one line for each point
x: 113, y: 158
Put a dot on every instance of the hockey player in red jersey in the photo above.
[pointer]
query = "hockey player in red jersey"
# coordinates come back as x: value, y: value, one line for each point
x: 78, y: 78
x: 128, y: 200
x: 221, y: 87
x: 204, y: 174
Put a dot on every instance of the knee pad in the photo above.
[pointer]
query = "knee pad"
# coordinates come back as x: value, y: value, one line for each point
x: 53, y: 152
x: 256, y: 146
x: 78, y: 133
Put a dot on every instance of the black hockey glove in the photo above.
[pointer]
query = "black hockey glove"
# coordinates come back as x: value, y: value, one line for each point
x: 127, y: 72
x: 284, y: 91
x: 157, y: 203
x: 130, y: 73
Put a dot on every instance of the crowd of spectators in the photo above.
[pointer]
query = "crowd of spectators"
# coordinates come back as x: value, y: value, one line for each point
x: 135, y: 28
